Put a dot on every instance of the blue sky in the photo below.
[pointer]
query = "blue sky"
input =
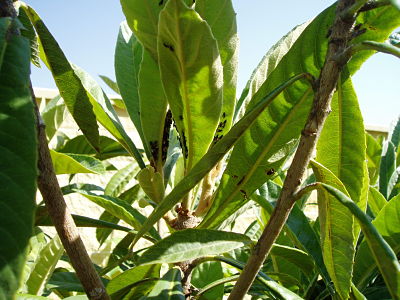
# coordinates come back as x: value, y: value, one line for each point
x: 87, y: 30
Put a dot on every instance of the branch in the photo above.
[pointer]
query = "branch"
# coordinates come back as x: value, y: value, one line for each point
x: 62, y: 219
x: 340, y: 35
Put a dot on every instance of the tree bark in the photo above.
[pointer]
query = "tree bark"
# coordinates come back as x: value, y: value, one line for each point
x: 62, y: 219
x: 341, y: 31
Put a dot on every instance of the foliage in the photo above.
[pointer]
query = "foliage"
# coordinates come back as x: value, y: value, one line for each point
x: 206, y: 157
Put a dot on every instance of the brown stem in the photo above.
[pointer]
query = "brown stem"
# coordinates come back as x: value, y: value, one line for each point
x: 62, y: 219
x: 340, y: 34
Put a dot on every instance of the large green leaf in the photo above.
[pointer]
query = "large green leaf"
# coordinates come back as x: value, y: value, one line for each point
x: 267, y: 64
x: 169, y: 287
x: 271, y: 138
x: 205, y: 274
x: 67, y: 163
x: 106, y: 114
x: 211, y: 158
x: 337, y: 238
x: 192, y: 76
x: 221, y: 18
x: 120, y: 209
x: 153, y: 109
x: 382, y: 253
x: 18, y: 156
x: 258, y: 150
x: 122, y: 284
x: 387, y: 168
x: 44, y: 266
x: 374, y: 150
x: 68, y: 83
x: 295, y: 256
x: 341, y: 146
x: 128, y: 55
x: 189, y: 244
x: 387, y: 222
x: 142, y: 18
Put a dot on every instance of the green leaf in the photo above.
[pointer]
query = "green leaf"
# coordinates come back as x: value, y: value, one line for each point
x: 387, y: 168
x: 189, y: 244
x: 67, y: 163
x: 43, y: 219
x: 67, y: 281
x: 128, y: 55
x: 121, y: 210
x: 191, y: 73
x: 383, y: 255
x: 53, y: 116
x: 300, y: 231
x: 211, y: 158
x: 108, y: 147
x: 374, y: 151
x: 394, y: 184
x: 44, y: 266
x: 277, y: 290
x: 205, y: 274
x: 122, y: 284
x: 152, y: 183
x: 68, y: 83
x: 271, y: 139
x: 142, y: 18
x: 120, y: 180
x: 224, y: 29
x: 376, y: 201
x: 267, y: 64
x: 114, y: 186
x: 153, y: 109
x: 18, y: 157
x: 29, y: 32
x: 341, y: 146
x: 256, y: 152
x: 169, y: 287
x: 106, y: 114
x: 387, y: 222
x: 337, y: 238
x: 110, y: 83
x: 295, y: 256
x: 395, y: 134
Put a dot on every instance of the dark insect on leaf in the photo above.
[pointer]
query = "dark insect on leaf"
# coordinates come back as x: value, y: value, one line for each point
x: 168, y: 46
x: 240, y: 181
x: 271, y: 171
x: 161, y: 2
x: 165, y: 140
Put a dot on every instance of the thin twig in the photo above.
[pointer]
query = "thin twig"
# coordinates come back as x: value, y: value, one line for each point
x: 62, y: 219
x: 341, y: 31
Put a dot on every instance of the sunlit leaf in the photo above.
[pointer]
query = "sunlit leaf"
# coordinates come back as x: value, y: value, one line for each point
x: 18, y: 157
x: 192, y: 243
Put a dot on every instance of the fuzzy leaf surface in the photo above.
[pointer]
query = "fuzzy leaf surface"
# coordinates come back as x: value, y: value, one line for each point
x: 18, y: 157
